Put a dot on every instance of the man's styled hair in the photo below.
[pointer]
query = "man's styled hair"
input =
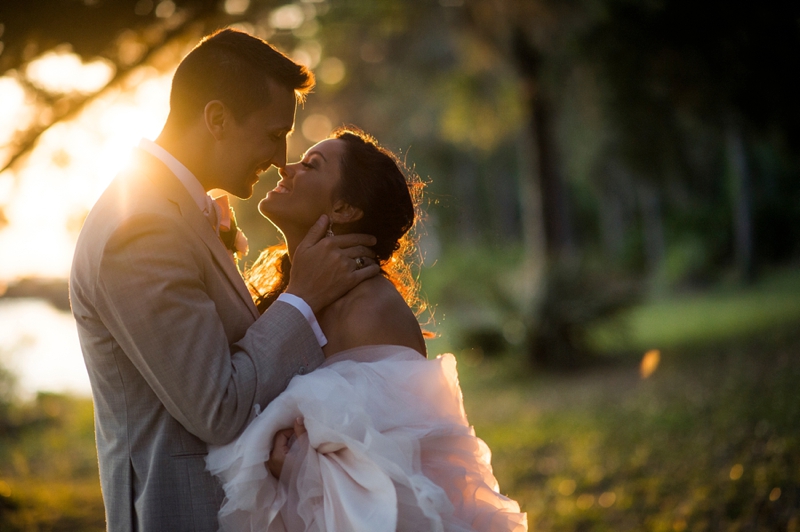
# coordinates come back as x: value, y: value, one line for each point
x: 233, y: 67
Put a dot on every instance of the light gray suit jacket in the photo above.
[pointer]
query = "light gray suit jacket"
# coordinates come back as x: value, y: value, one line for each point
x: 176, y: 351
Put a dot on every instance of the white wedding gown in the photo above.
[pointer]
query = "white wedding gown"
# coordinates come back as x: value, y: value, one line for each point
x: 388, y: 448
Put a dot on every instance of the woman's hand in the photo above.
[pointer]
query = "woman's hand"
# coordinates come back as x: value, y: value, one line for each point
x: 281, y: 446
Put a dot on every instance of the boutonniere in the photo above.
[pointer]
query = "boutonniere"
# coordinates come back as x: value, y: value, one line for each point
x: 229, y: 232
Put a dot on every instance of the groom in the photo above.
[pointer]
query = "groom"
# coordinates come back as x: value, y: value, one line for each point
x: 177, y: 353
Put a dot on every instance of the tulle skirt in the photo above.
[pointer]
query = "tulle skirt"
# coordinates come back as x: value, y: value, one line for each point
x: 388, y: 448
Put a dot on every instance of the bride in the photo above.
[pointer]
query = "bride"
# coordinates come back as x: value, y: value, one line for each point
x: 380, y: 439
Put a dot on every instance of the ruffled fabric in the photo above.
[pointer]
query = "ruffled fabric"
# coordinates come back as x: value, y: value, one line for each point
x: 388, y: 448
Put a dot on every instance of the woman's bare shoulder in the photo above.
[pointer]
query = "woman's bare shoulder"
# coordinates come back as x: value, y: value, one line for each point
x: 374, y: 312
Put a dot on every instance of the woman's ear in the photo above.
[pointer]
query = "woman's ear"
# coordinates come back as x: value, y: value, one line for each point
x: 344, y: 213
x: 214, y: 116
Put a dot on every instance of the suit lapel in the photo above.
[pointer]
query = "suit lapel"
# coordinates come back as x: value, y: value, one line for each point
x: 175, y: 192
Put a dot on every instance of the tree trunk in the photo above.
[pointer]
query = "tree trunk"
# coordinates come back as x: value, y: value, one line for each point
x: 533, y: 232
x: 741, y: 197
x: 612, y: 224
x: 469, y: 210
x: 541, y: 124
x: 652, y: 228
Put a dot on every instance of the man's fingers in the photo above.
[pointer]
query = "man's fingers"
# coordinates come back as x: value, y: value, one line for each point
x: 359, y: 251
x: 365, y: 273
x: 353, y: 239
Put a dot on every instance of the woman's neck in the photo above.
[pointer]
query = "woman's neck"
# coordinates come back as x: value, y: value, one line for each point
x: 293, y: 239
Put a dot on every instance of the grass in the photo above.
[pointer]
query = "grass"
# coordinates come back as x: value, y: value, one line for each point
x: 694, y: 319
x: 708, y: 442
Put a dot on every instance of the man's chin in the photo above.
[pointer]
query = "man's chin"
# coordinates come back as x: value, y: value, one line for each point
x: 245, y: 192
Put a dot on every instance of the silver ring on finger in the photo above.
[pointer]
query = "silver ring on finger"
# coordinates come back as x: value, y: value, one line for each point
x: 360, y: 263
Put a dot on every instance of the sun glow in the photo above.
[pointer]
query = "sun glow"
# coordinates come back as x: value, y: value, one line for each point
x: 14, y: 111
x: 63, y: 72
x: 48, y: 194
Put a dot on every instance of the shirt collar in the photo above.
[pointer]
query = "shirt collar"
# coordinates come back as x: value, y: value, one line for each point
x: 193, y: 186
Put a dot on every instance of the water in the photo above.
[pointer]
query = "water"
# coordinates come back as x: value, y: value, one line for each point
x: 39, y: 345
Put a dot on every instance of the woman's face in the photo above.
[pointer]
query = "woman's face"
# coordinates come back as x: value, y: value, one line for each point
x: 305, y: 191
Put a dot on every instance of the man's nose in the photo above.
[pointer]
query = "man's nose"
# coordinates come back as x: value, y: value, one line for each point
x: 279, y: 159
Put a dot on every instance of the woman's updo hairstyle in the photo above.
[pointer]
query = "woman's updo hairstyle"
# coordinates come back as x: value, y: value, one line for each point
x: 374, y: 180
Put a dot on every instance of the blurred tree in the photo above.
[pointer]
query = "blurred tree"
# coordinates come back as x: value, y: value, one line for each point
x: 127, y: 34
x: 671, y: 64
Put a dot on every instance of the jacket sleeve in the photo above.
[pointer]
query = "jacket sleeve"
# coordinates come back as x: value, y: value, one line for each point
x: 151, y: 293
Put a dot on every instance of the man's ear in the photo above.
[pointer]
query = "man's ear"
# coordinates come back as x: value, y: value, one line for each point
x: 215, y: 115
x: 344, y: 213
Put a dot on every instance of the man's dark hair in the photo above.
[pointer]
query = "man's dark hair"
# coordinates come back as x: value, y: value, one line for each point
x: 233, y: 67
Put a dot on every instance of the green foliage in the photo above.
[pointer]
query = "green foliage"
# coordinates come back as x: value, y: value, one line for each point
x: 575, y: 299
x: 475, y: 299
x: 483, y: 291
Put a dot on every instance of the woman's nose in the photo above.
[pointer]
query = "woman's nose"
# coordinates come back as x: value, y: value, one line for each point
x: 287, y: 171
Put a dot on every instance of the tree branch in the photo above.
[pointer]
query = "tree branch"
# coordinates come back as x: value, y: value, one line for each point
x: 31, y: 136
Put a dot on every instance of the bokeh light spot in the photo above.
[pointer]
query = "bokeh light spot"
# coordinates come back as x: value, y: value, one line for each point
x: 736, y: 472
x: 566, y: 487
x: 316, y: 127
x: 287, y: 17
x: 236, y: 7
x: 331, y: 71
x: 585, y: 501
x: 775, y: 494
x: 650, y: 362
x: 308, y: 53
x: 165, y: 9
x: 607, y: 499
x: 5, y: 489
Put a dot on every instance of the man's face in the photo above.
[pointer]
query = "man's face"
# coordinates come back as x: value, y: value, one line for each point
x: 255, y: 142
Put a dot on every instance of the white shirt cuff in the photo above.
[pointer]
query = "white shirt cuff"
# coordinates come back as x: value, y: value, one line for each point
x: 302, y: 306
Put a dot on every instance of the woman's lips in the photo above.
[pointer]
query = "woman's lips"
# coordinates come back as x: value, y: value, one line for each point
x: 280, y: 189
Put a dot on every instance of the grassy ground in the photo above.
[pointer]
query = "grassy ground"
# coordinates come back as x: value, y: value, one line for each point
x: 709, y: 441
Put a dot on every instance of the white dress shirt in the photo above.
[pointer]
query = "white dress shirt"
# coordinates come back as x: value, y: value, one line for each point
x: 205, y: 204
